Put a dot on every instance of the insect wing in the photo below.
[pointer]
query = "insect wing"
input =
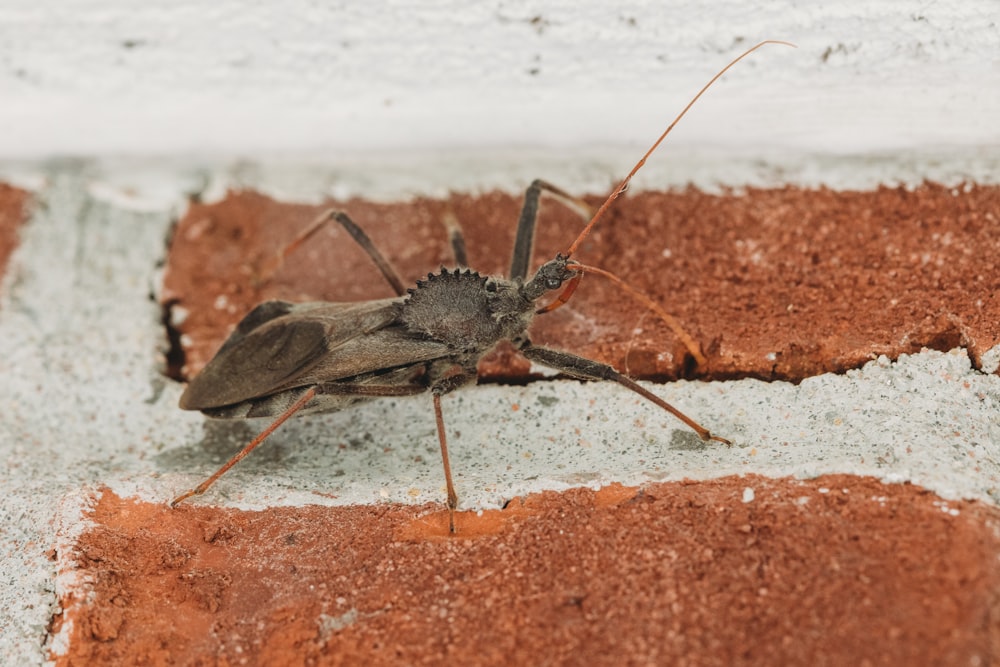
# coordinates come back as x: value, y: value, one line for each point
x: 374, y: 359
x: 268, y: 352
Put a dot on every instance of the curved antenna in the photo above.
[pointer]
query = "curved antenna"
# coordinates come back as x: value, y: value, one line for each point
x: 694, y: 349
x: 624, y: 184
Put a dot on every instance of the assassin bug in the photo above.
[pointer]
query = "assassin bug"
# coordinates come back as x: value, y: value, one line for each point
x: 286, y: 358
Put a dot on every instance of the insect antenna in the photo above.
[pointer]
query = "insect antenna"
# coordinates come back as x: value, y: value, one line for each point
x: 570, y: 288
x: 669, y: 319
x: 623, y: 186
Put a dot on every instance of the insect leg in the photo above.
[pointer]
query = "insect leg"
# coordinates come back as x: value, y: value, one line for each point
x: 525, y: 239
x: 452, y: 496
x: 448, y: 377
x: 587, y: 369
x: 372, y: 390
x: 455, y: 237
x: 359, y: 236
x: 201, y: 488
x: 329, y: 388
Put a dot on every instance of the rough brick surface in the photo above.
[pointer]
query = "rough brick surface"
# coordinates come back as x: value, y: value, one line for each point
x: 739, y: 571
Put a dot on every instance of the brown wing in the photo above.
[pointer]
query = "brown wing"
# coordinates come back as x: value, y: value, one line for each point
x: 280, y: 345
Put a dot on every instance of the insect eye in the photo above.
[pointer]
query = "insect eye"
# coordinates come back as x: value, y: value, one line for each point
x: 553, y: 283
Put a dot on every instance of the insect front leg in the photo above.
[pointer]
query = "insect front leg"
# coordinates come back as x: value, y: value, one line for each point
x: 587, y: 369
x: 525, y: 240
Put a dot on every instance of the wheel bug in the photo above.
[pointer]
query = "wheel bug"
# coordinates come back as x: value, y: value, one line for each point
x: 287, y: 358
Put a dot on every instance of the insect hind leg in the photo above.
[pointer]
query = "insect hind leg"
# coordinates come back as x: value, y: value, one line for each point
x: 252, y: 445
x: 316, y: 392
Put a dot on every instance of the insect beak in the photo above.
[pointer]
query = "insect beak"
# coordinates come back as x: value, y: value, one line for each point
x: 567, y: 291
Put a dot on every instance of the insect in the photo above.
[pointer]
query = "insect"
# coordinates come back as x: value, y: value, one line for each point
x: 297, y: 358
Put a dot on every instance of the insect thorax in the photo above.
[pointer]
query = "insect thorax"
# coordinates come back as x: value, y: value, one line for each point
x: 465, y: 310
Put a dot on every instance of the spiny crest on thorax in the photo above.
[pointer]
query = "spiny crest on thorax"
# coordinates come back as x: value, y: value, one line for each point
x: 454, y: 307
